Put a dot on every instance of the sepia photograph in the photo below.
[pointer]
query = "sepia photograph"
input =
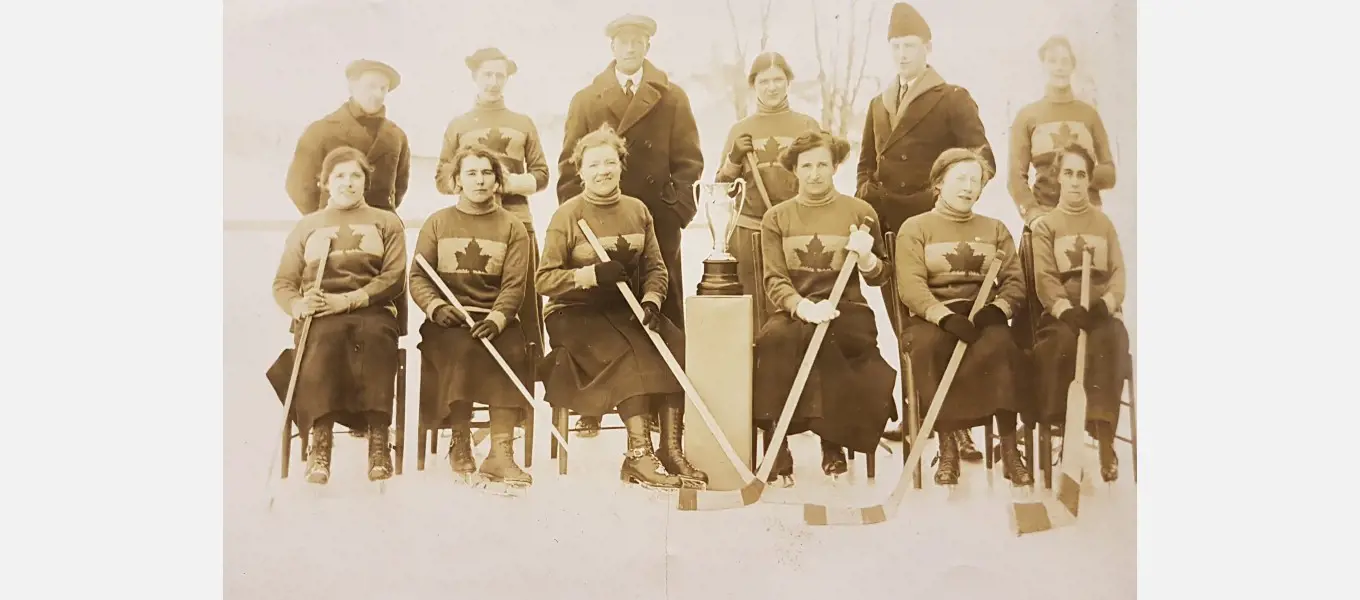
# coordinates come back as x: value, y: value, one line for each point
x: 623, y: 299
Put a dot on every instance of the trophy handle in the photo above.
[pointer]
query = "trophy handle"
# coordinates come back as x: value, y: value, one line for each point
x: 741, y: 191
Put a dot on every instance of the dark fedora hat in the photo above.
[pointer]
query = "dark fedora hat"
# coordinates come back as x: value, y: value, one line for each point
x: 475, y: 61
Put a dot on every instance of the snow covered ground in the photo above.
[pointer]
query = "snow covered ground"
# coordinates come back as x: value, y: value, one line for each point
x: 586, y: 535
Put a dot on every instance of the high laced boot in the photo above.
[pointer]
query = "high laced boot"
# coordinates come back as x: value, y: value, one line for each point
x: 967, y: 451
x: 1012, y: 464
x: 319, y: 454
x: 1109, y: 463
x: 783, y: 461
x: 379, y: 455
x: 640, y: 464
x: 500, y: 464
x: 833, y: 459
x: 460, y: 450
x: 948, y: 471
x: 672, y: 455
x: 587, y: 426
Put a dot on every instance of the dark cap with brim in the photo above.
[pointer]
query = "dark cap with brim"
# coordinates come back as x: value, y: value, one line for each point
x: 485, y: 54
x: 359, y: 67
x: 642, y: 24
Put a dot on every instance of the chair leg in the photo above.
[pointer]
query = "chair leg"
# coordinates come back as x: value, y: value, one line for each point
x: 989, y: 433
x: 871, y: 464
x: 1133, y: 419
x: 528, y: 438
x: 1029, y: 450
x: 560, y: 416
x: 1046, y: 453
x: 400, y: 401
x: 287, y: 450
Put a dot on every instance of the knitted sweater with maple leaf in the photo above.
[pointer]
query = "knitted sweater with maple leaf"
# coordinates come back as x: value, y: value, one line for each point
x: 803, y: 241
x: 510, y: 135
x: 942, y: 259
x: 366, y: 263
x: 1060, y: 238
x: 1056, y: 121
x: 566, y: 273
x: 482, y: 256
x: 772, y: 132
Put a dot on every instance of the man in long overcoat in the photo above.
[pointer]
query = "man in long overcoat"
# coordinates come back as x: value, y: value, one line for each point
x: 907, y: 127
x: 361, y: 123
x: 664, y: 159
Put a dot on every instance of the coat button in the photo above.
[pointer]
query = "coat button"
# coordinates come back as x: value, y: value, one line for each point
x: 647, y: 143
x: 902, y: 157
x: 901, y: 184
x: 650, y: 180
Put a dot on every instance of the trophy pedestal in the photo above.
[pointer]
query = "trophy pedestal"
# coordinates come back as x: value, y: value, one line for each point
x: 720, y: 278
x: 719, y: 360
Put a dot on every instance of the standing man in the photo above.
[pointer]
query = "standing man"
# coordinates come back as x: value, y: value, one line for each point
x: 664, y: 160
x: 513, y: 139
x: 361, y: 122
x: 908, y: 126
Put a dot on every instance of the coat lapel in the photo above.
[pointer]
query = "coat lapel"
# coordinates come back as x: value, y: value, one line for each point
x: 646, y: 97
x: 916, y: 105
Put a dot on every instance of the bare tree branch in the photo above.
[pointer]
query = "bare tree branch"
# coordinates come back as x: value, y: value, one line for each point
x: 863, y: 57
x: 739, y: 91
x: 821, y: 66
x: 765, y: 12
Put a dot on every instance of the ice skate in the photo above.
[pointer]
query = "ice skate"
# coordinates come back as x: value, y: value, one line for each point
x: 587, y: 426
x: 1109, y: 462
x: 947, y: 473
x: 781, y: 474
x: 319, y: 454
x: 641, y: 466
x: 499, y: 473
x: 967, y: 451
x: 460, y: 453
x: 379, y: 454
x: 1012, y: 463
x: 672, y: 455
x: 833, y: 460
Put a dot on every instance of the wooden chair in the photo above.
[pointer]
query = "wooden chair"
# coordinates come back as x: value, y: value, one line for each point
x: 911, y: 408
x: 398, y: 424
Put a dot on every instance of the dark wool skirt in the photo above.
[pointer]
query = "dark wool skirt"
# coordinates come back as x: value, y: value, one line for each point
x: 531, y: 308
x: 1055, y: 350
x: 456, y: 367
x: 984, y: 384
x: 849, y: 393
x: 749, y: 272
x: 348, y: 371
x: 602, y: 357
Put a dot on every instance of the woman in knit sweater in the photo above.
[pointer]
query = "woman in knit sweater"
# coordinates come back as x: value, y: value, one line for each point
x: 1060, y: 239
x: 848, y: 395
x: 481, y: 252
x: 942, y: 258
x: 601, y: 358
x: 765, y: 134
x: 349, y: 364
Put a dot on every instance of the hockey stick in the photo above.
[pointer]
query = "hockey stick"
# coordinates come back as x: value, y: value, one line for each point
x: 1030, y: 517
x: 535, y: 403
x: 292, y: 380
x: 755, y: 488
x: 666, y: 355
x: 818, y: 514
x: 760, y: 182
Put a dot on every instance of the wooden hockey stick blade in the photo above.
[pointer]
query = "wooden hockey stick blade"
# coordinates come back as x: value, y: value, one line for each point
x: 690, y: 393
x: 292, y: 379
x: 816, y: 514
x: 754, y: 489
x: 535, y: 403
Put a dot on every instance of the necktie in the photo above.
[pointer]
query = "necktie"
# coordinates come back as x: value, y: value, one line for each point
x: 901, y: 92
x: 628, y: 88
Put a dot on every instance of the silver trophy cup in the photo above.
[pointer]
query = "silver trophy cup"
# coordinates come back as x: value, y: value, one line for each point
x: 721, y: 203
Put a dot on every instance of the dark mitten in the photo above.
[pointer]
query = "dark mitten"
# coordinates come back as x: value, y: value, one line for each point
x: 960, y: 327
x: 743, y: 145
x: 486, y: 329
x: 1098, y: 313
x: 989, y: 316
x: 609, y: 273
x: 651, y: 316
x: 445, y: 316
x: 1076, y: 318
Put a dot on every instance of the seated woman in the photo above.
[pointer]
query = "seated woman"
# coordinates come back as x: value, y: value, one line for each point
x: 601, y: 358
x: 481, y: 252
x: 848, y: 395
x: 349, y: 365
x: 941, y: 262
x: 1060, y: 238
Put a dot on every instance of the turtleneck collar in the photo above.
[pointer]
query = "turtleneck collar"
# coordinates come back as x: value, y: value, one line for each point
x: 808, y: 200
x: 1074, y: 207
x: 764, y: 109
x: 598, y: 200
x: 334, y: 206
x: 483, y: 104
x: 943, y: 209
x: 1059, y: 94
x: 469, y: 207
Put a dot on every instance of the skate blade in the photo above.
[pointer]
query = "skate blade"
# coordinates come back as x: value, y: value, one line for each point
x: 781, y: 481
x: 500, y: 487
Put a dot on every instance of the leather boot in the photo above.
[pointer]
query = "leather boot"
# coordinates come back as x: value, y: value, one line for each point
x: 967, y: 451
x: 783, y: 461
x: 379, y: 454
x: 640, y: 464
x: 319, y: 452
x: 672, y: 455
x: 587, y: 426
x: 1109, y: 462
x: 1012, y: 465
x: 500, y: 464
x: 833, y: 459
x: 948, y: 471
x: 460, y: 450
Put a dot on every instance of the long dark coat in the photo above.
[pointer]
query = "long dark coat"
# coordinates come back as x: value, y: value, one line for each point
x: 389, y: 153
x: 664, y: 159
x: 899, y: 147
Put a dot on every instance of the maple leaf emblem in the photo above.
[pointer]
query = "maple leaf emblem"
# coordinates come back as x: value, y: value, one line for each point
x: 768, y: 153
x: 471, y: 258
x: 816, y: 257
x: 347, y: 238
x: 1079, y: 246
x: 498, y: 143
x: 963, y: 259
x: 1063, y: 137
x: 622, y: 251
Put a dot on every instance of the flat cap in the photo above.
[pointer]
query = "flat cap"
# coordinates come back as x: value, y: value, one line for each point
x: 646, y: 24
x: 362, y: 65
x: 475, y: 61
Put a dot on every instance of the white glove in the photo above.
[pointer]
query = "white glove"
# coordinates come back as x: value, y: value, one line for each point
x: 520, y: 184
x: 828, y: 310
x: 861, y: 241
x: 815, y: 312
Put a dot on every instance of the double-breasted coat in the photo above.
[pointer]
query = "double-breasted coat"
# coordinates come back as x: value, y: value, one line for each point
x: 664, y: 159
x: 388, y: 152
x: 902, y: 140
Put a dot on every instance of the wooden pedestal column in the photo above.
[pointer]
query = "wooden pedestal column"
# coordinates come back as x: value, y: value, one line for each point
x: 719, y: 360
